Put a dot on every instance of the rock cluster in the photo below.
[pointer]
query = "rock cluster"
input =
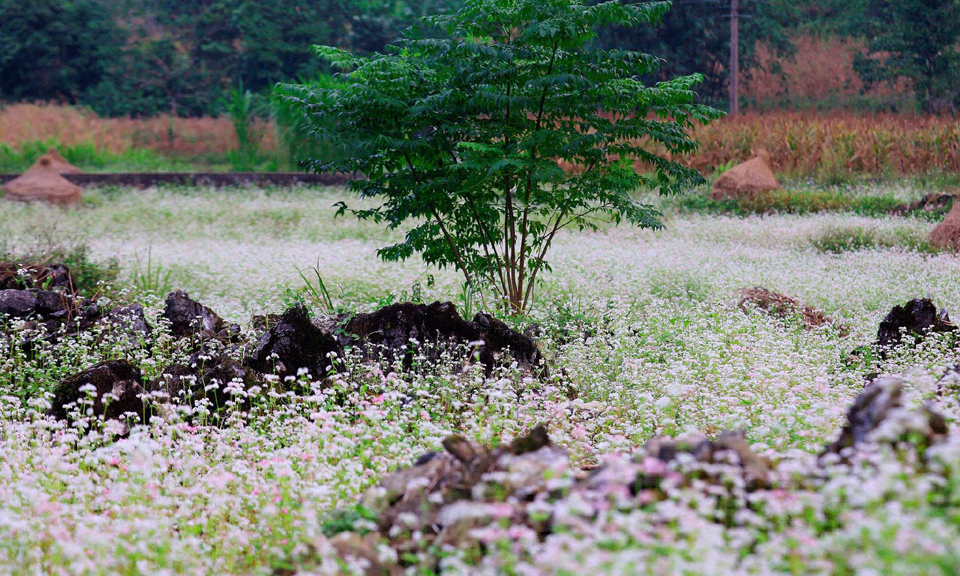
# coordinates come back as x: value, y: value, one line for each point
x: 43, y: 297
x: 222, y: 366
x: 392, y: 333
x: 48, y: 313
x: 439, y: 328
x: 456, y: 497
x: 462, y: 497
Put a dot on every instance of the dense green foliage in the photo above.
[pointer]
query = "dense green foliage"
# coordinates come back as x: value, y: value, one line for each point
x: 55, y: 49
x: 694, y: 37
x: 463, y: 136
x: 143, y: 57
x: 915, y: 39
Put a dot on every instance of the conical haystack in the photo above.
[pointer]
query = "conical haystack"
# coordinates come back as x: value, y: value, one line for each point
x: 58, y: 163
x: 947, y: 234
x: 747, y: 179
x: 42, y: 182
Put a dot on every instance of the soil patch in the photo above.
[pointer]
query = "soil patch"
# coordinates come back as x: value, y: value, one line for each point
x: 785, y: 307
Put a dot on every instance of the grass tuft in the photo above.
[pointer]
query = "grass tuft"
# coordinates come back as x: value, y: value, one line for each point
x: 840, y: 239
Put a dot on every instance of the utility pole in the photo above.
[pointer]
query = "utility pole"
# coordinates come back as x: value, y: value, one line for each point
x: 734, y: 57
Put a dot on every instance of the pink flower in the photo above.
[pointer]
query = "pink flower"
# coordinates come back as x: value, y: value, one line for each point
x: 500, y: 510
x: 653, y: 466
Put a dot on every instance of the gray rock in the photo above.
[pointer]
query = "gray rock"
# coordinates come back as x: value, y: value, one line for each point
x: 129, y: 321
x: 117, y: 377
x: 205, y: 377
x: 18, y: 303
x: 292, y: 343
x: 188, y: 317
x: 40, y: 304
x: 916, y: 318
x: 880, y: 400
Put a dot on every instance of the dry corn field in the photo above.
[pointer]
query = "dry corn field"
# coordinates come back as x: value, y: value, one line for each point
x: 800, y: 143
x: 70, y: 126
x: 807, y: 143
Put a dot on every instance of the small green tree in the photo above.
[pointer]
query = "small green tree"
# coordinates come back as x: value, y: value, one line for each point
x: 512, y: 127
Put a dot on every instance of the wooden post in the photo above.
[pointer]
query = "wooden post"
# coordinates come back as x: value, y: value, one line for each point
x: 734, y: 57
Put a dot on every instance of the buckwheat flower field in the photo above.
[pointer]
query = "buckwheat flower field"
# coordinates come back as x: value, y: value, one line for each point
x: 643, y: 339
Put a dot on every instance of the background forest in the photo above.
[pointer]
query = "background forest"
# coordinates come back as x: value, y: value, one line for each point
x: 183, y: 57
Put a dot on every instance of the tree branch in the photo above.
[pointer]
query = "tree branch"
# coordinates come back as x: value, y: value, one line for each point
x: 446, y: 234
x: 488, y: 240
x: 533, y: 153
x: 539, y: 259
x: 451, y: 244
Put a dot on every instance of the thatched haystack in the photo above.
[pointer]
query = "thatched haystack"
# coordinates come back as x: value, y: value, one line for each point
x: 946, y: 235
x: 43, y: 182
x: 746, y: 179
x: 59, y: 163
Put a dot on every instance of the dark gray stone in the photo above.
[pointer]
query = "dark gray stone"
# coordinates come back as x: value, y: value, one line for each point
x: 119, y: 377
x: 297, y: 343
x: 188, y: 317
x: 916, y: 318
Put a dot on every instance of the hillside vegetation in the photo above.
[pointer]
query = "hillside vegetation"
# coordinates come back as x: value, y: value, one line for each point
x: 147, y: 57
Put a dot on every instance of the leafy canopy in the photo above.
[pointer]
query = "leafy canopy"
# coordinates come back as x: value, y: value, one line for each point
x: 509, y: 127
x: 55, y: 50
x: 694, y: 36
x: 915, y: 39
